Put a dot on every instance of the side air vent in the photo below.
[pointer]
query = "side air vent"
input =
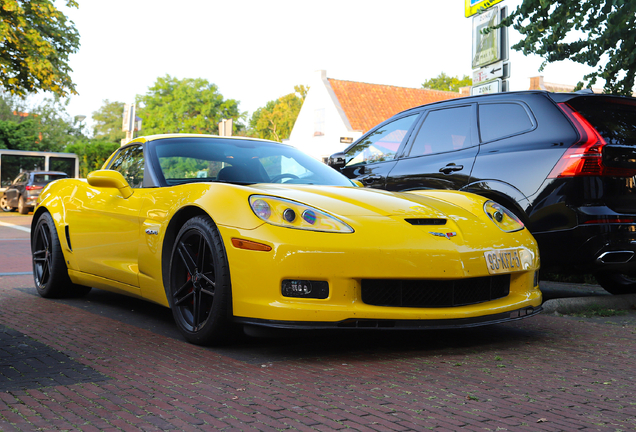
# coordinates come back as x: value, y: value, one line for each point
x: 68, y: 237
x: 427, y: 221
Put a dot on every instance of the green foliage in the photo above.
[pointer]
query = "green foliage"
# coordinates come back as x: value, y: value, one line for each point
x: 92, y: 154
x: 276, y: 119
x: 190, y: 105
x: 42, y: 127
x: 18, y: 136
x: 447, y: 83
x: 597, y: 33
x: 108, y: 121
x: 36, y: 40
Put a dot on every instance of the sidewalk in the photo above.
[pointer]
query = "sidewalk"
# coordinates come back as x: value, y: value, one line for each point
x: 86, y: 371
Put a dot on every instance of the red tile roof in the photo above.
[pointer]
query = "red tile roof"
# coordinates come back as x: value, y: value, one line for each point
x: 369, y: 104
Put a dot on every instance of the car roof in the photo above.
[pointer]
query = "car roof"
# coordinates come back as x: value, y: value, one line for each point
x: 45, y: 172
x: 149, y: 138
x: 557, y: 97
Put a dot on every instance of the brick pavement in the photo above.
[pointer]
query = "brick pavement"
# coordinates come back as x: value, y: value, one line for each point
x: 542, y: 374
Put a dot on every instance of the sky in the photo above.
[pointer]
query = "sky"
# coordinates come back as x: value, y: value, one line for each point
x: 257, y: 50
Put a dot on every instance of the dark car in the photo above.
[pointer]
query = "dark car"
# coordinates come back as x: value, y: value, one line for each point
x: 24, y: 191
x: 564, y: 162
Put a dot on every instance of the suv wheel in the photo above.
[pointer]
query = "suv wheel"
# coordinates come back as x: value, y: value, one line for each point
x: 4, y: 204
x: 617, y: 283
x: 22, y: 207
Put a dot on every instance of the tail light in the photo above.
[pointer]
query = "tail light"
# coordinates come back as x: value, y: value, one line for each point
x: 30, y: 188
x: 585, y: 157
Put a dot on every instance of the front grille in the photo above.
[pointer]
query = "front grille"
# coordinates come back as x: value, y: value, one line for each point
x: 434, y: 293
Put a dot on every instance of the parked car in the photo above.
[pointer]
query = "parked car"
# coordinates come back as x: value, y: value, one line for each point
x: 24, y: 191
x: 563, y: 162
x: 238, y: 231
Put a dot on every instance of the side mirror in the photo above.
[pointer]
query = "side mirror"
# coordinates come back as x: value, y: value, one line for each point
x: 337, y: 160
x: 110, y: 179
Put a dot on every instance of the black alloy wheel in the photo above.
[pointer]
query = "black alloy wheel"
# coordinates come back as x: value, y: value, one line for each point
x: 199, y: 291
x: 50, y: 273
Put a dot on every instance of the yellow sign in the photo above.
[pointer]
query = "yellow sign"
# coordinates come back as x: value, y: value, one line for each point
x: 473, y: 6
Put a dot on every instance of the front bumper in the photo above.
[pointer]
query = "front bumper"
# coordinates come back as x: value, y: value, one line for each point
x: 362, y: 324
x: 345, y: 260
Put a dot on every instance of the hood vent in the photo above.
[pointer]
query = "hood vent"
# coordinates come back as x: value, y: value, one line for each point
x: 426, y: 221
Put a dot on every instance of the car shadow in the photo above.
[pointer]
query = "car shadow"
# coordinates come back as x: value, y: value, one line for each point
x: 285, y: 345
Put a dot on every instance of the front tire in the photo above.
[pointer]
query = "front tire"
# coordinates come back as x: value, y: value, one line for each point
x: 199, y: 292
x: 617, y: 283
x: 4, y: 204
x: 50, y: 273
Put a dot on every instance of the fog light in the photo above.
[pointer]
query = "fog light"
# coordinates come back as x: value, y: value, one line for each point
x: 305, y: 289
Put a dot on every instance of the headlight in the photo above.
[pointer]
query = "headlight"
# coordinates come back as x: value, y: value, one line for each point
x: 502, y: 217
x: 290, y: 214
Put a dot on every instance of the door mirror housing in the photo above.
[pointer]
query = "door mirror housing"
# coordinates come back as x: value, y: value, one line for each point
x: 337, y: 160
x: 110, y: 179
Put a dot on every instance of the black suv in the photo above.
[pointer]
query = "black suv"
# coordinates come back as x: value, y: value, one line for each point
x: 24, y: 191
x: 565, y: 163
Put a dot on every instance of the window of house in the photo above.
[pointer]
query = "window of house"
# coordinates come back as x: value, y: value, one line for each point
x: 443, y: 131
x: 498, y: 120
x: 381, y: 144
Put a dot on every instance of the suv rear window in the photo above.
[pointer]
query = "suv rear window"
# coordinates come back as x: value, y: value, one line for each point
x: 499, y: 120
x: 45, y: 178
x: 614, y: 119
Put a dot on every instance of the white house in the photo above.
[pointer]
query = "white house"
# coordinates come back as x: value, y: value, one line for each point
x: 335, y: 112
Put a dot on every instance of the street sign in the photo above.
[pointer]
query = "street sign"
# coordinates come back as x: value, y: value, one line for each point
x: 471, y: 7
x: 500, y: 69
x: 486, y: 47
x: 487, y: 88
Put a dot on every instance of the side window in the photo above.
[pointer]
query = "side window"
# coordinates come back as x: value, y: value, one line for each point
x: 498, y: 120
x: 130, y: 163
x: 444, y: 131
x: 382, y: 144
x: 21, y: 179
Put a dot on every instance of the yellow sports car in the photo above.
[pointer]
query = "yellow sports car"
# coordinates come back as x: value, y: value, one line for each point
x: 238, y: 231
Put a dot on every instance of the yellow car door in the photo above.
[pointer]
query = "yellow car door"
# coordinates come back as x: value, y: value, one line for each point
x: 104, y: 219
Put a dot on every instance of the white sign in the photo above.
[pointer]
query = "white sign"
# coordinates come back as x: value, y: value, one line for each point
x: 486, y: 47
x: 489, y: 87
x: 488, y: 73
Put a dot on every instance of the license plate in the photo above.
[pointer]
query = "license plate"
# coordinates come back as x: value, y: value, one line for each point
x: 503, y: 260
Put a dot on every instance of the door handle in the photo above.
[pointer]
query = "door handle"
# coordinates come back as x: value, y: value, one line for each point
x: 370, y: 179
x: 451, y: 167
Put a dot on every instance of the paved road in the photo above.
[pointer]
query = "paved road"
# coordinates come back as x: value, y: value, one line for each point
x: 107, y: 362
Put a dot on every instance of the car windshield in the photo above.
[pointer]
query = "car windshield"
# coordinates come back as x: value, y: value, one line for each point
x: 42, y: 179
x: 241, y: 161
x: 613, y: 118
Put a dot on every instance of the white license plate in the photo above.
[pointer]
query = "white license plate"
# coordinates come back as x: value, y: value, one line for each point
x: 503, y: 260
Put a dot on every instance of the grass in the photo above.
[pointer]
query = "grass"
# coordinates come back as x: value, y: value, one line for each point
x: 599, y: 311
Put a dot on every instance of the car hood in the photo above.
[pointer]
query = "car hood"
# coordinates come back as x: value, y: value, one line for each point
x: 354, y: 201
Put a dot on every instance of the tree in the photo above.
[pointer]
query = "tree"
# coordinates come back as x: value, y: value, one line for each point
x: 276, y: 119
x: 42, y: 127
x: 92, y: 153
x: 190, y: 105
x: 447, y: 83
x: 108, y: 121
x: 597, y: 33
x: 36, y: 40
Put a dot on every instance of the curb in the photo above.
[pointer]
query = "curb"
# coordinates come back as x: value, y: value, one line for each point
x: 580, y: 304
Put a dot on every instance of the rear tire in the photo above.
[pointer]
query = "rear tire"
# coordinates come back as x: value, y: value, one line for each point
x: 50, y: 273
x: 200, y: 292
x: 617, y: 283
x: 22, y: 207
